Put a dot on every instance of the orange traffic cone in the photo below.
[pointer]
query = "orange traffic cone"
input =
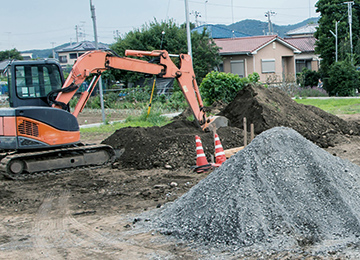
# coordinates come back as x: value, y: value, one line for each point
x: 201, y: 161
x: 219, y: 152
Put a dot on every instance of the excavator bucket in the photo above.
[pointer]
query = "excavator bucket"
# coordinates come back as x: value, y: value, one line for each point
x: 215, y: 122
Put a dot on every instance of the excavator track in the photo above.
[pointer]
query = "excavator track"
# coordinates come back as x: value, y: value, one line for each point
x: 19, y: 166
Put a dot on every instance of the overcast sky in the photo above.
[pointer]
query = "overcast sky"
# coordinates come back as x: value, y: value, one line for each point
x: 42, y: 24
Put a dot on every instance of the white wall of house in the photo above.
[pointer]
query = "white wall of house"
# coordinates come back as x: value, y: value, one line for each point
x: 69, y: 58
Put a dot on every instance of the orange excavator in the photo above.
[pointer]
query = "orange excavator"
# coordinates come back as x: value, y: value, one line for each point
x: 38, y: 133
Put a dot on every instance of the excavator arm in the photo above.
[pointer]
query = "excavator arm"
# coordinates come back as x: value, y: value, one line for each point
x: 95, y: 62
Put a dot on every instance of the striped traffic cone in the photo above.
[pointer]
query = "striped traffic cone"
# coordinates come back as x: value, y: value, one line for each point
x: 219, y: 152
x: 202, y: 164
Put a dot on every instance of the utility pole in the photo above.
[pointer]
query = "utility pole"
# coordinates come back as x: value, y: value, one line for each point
x: 206, y: 1
x: 92, y: 9
x: 53, y: 50
x: 268, y: 14
x: 336, y: 39
x: 197, y: 15
x: 77, y: 33
x: 188, y: 28
x: 232, y: 11
x: 350, y: 4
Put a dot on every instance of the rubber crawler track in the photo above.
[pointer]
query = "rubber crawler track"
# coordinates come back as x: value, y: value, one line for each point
x: 43, y: 154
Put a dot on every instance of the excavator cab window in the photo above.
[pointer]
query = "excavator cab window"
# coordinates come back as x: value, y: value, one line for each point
x: 35, y: 81
x: 32, y: 81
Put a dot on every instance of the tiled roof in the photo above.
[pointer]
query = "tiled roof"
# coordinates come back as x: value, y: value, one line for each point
x: 249, y: 45
x: 4, y: 64
x: 307, y: 29
x: 305, y: 44
x: 218, y: 32
x: 84, y: 46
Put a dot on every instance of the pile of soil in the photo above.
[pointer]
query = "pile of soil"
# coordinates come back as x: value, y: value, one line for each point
x: 282, y: 192
x: 171, y: 146
x: 267, y: 108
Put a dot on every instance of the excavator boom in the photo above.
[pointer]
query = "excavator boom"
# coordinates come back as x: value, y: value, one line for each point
x: 96, y: 62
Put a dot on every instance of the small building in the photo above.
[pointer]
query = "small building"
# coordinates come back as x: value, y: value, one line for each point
x: 304, y: 31
x: 3, y: 66
x: 68, y: 55
x: 307, y: 58
x: 303, y: 38
x: 270, y: 56
x: 27, y: 55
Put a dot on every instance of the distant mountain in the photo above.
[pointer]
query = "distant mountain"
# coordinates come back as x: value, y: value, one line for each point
x: 46, y: 53
x: 256, y: 27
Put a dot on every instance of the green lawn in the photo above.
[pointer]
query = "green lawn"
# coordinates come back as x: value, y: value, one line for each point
x: 154, y: 119
x: 334, y: 106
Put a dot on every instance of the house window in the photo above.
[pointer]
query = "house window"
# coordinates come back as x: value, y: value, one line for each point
x: 63, y: 59
x: 73, y: 55
x: 268, y: 66
x: 238, y: 67
x: 301, y: 64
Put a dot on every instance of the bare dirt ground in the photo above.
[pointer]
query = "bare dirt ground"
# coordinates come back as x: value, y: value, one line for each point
x: 91, y: 214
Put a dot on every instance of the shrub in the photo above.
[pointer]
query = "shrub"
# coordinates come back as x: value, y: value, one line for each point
x: 308, y: 78
x: 343, y: 79
x: 220, y: 86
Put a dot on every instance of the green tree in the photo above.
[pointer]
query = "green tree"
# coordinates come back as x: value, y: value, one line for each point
x: 343, y: 80
x: 13, y: 54
x: 171, y: 37
x: 333, y: 11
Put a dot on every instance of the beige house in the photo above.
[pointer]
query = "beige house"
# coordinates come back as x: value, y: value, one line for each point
x: 303, y: 39
x: 270, y: 56
x: 307, y: 58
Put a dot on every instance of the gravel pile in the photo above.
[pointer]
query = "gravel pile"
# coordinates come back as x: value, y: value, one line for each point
x: 281, y: 192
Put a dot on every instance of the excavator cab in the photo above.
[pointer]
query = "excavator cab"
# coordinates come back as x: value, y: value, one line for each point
x: 31, y: 122
x: 31, y: 81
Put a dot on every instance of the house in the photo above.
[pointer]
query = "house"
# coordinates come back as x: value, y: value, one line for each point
x: 269, y: 55
x: 307, y: 58
x: 3, y: 66
x: 218, y: 32
x: 68, y: 55
x: 304, y: 31
x: 303, y: 38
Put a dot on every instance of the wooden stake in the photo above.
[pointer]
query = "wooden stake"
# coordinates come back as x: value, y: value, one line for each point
x: 245, y: 132
x: 251, y: 132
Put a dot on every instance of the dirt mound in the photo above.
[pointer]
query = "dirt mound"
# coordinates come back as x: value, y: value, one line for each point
x: 282, y: 192
x: 268, y: 108
x: 172, y: 145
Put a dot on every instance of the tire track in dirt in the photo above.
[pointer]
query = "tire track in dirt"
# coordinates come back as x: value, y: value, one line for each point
x: 47, y: 230
x: 58, y: 235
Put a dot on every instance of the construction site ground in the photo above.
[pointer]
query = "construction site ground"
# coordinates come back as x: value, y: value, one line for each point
x: 92, y: 214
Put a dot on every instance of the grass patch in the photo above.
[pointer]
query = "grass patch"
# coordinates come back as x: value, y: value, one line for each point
x: 154, y: 119
x: 334, y: 105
